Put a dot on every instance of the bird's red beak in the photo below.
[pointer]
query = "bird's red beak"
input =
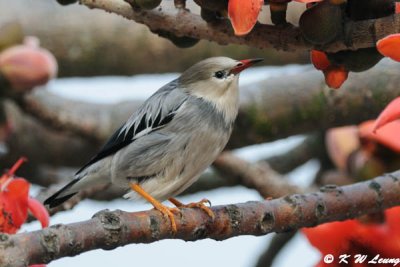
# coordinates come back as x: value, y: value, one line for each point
x: 244, y: 64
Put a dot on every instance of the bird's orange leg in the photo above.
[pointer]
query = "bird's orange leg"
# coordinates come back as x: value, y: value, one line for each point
x: 200, y: 205
x: 166, y: 211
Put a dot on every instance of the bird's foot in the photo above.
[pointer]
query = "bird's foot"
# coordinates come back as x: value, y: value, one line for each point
x: 167, y: 212
x: 200, y: 205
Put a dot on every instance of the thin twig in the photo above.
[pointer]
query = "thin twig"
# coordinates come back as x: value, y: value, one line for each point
x: 259, y: 176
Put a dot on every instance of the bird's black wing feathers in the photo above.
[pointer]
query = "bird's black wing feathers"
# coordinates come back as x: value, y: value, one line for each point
x: 146, y: 120
x: 113, y: 144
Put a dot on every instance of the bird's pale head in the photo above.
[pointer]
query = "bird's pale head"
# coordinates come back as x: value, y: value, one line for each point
x: 216, y: 80
x: 214, y: 76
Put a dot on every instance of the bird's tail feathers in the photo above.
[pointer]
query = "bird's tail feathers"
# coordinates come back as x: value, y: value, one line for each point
x: 81, y: 182
x: 62, y: 195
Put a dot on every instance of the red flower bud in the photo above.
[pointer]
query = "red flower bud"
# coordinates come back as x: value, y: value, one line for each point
x: 243, y: 15
x: 335, y: 76
x: 26, y: 66
x: 390, y: 46
x: 319, y: 60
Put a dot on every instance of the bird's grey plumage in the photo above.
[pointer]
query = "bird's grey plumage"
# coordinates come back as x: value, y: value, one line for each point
x: 175, y: 134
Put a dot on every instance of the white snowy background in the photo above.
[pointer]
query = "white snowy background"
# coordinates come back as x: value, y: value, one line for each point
x: 240, y: 251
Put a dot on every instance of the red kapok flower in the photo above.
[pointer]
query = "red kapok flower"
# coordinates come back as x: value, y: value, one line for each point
x: 38, y: 211
x: 389, y: 114
x: 243, y: 15
x: 319, y: 60
x: 390, y: 46
x: 15, y: 202
x: 387, y: 135
x: 335, y: 76
x: 351, y: 237
x: 26, y: 66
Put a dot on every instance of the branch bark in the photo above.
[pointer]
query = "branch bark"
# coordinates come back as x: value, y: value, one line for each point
x: 259, y: 176
x: 183, y: 23
x: 108, y: 230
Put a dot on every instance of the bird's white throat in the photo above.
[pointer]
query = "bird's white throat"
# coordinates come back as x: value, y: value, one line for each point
x: 225, y: 99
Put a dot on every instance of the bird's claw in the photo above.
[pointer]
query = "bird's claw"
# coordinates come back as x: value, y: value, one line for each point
x: 201, y: 205
x: 168, y: 213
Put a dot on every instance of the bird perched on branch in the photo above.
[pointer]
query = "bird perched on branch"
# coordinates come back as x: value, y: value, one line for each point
x: 170, y: 140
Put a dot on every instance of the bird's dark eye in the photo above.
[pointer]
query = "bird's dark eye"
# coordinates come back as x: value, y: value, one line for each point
x: 219, y: 74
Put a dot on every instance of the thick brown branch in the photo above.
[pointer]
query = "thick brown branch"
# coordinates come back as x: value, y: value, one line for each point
x: 109, y: 230
x: 362, y: 33
x: 76, y: 117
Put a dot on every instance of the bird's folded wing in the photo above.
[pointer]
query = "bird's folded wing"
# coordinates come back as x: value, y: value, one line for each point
x: 155, y: 113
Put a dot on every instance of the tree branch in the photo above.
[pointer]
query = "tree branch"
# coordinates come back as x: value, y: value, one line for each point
x: 77, y: 117
x: 266, y: 111
x: 259, y: 176
x: 182, y: 23
x: 313, y: 146
x: 108, y: 230
x: 276, y: 244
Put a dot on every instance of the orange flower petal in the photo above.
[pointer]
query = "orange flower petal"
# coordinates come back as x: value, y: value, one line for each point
x: 38, y: 211
x: 319, y: 60
x: 393, y: 220
x: 390, y: 46
x: 397, y: 7
x: 243, y: 15
x: 336, y: 236
x: 14, y: 205
x: 335, y: 76
x: 354, y: 237
x: 389, y: 114
x: 387, y: 136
